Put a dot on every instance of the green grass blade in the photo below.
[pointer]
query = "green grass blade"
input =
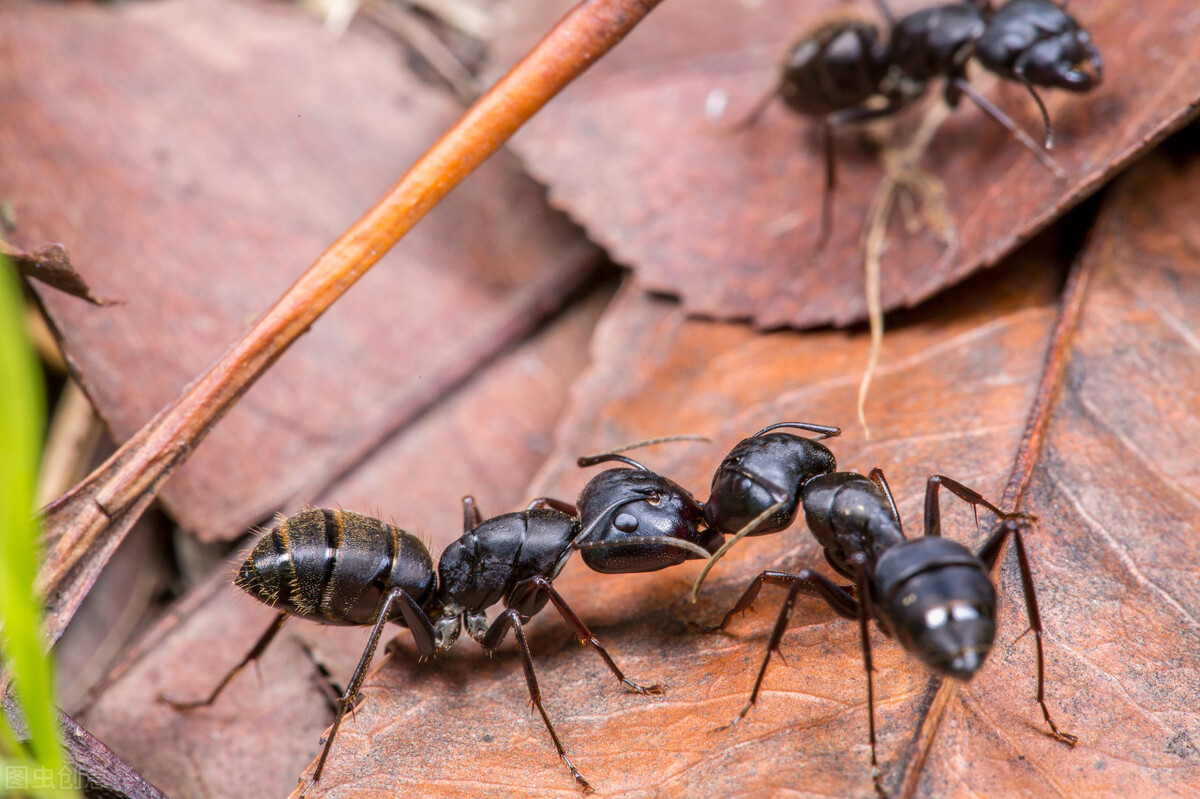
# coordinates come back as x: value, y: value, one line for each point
x: 21, y: 420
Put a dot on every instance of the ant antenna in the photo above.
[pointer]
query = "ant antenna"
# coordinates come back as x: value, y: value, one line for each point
x: 886, y: 13
x: 720, y: 553
x: 822, y: 431
x: 611, y: 455
x: 605, y: 457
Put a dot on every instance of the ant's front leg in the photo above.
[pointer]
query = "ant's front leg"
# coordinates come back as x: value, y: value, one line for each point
x: 804, y: 581
x: 989, y: 553
x: 842, y: 603
x: 933, y: 511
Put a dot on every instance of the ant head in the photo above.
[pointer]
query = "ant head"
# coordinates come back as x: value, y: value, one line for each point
x: 643, y: 508
x: 1039, y: 43
x: 939, y: 601
x: 763, y: 474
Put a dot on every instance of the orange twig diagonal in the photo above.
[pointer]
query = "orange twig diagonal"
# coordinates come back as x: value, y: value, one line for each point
x: 84, y: 526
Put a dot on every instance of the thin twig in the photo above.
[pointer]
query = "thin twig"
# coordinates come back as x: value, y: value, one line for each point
x: 85, y: 525
x: 900, y: 170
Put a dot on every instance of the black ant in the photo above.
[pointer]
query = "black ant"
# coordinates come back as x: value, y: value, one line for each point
x: 930, y: 593
x: 1032, y: 42
x: 340, y: 567
x: 841, y: 72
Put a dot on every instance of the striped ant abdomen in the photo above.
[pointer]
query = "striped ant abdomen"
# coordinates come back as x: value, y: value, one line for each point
x: 333, y: 567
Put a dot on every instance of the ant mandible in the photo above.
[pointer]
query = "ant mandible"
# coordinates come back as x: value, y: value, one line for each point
x: 841, y: 73
x: 344, y: 568
x: 931, y: 594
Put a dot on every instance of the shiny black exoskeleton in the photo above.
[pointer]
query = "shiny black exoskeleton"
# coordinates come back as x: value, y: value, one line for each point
x: 1033, y: 42
x: 844, y: 71
x: 343, y: 568
x: 340, y: 567
x: 626, y: 520
x: 838, y: 74
x: 931, y: 594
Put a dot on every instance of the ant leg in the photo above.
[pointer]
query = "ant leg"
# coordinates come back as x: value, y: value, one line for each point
x: 933, y: 513
x: 356, y: 680
x: 841, y: 601
x: 848, y: 116
x: 1019, y: 72
x: 329, y: 689
x: 830, y: 184
x: 531, y: 588
x: 418, y: 624
x: 1020, y: 135
x: 751, y: 119
x: 989, y: 553
x: 808, y: 582
x: 254, y: 654
x: 472, y: 518
x: 876, y: 477
x: 491, y: 641
x: 862, y: 579
x: 555, y: 504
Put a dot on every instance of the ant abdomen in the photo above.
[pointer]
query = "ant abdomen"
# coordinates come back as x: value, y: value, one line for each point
x: 839, y: 65
x: 333, y: 566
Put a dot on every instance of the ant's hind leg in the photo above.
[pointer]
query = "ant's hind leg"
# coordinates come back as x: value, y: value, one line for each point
x: 382, y: 613
x: 253, y: 655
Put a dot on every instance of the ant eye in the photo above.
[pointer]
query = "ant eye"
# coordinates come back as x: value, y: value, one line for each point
x: 742, y: 486
x: 626, y: 522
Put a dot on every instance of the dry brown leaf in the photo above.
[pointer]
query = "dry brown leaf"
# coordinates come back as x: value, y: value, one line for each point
x: 52, y: 265
x: 728, y: 220
x: 461, y: 723
x: 1114, y: 555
